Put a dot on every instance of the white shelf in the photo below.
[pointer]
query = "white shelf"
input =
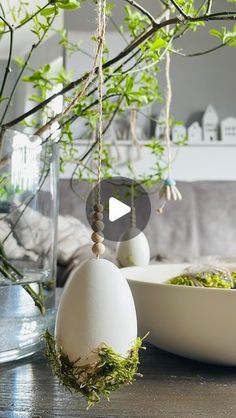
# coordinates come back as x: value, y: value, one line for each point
x: 83, y: 142
x: 191, y: 162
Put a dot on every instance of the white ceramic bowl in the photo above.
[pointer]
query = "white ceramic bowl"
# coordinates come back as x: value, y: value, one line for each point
x: 198, y: 323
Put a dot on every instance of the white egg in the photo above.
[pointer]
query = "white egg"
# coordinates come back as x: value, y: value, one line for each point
x: 133, y: 251
x: 96, y: 307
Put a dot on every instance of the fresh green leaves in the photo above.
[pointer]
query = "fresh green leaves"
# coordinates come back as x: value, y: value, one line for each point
x: 68, y: 4
x: 135, y: 21
x: 226, y: 36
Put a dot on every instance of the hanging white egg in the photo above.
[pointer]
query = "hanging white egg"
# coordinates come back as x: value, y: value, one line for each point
x: 133, y: 250
x: 96, y: 307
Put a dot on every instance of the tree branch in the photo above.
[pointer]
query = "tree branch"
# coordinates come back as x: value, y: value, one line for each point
x: 142, y: 10
x: 20, y: 25
x: 104, y: 131
x: 179, y: 9
x: 133, y: 45
x: 81, y: 159
x: 8, y: 67
x: 2, y: 10
x: 34, y: 46
x: 118, y: 30
x: 209, y: 6
x: 215, y: 16
x: 197, y: 54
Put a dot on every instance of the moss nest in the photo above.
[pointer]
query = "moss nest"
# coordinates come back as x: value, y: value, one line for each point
x: 110, y: 372
x: 206, y: 279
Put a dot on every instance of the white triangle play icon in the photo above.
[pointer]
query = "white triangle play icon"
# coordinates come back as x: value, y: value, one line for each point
x: 117, y: 209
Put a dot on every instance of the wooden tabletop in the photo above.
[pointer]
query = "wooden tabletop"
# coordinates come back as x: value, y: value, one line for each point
x: 172, y: 387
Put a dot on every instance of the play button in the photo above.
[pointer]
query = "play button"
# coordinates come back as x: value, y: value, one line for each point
x: 126, y: 207
x: 117, y: 209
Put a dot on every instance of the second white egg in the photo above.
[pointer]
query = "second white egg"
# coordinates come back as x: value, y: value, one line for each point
x: 133, y: 250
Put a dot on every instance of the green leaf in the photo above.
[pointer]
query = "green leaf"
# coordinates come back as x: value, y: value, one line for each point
x: 157, y: 44
x: 35, y: 98
x: 49, y: 11
x: 3, y: 98
x: 20, y: 61
x: 68, y: 4
x: 216, y: 33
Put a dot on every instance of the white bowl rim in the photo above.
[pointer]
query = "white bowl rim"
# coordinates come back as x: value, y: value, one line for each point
x: 172, y: 286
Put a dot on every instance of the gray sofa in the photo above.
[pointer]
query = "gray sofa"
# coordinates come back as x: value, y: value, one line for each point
x: 203, y: 223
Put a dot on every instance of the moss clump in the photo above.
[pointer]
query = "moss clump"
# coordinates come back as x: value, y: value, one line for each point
x: 233, y: 275
x: 109, y: 373
x: 206, y: 279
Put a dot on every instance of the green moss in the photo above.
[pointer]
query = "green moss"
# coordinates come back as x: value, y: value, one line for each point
x: 206, y: 279
x: 233, y: 275
x: 109, y: 373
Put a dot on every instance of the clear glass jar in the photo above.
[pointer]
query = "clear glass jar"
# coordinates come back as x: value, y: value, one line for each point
x: 28, y: 225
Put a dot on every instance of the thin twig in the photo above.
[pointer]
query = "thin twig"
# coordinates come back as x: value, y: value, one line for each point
x: 89, y: 78
x: 75, y: 100
x: 75, y: 117
x: 197, y: 54
x: 118, y: 30
x: 179, y: 9
x: 188, y: 24
x: 81, y: 159
x: 2, y: 10
x: 131, y: 47
x: 8, y: 67
x: 20, y: 25
x: 141, y: 9
x: 152, y: 64
x: 34, y: 46
x: 215, y: 16
x: 209, y: 6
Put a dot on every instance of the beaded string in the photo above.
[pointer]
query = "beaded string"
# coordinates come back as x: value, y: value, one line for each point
x: 97, y: 237
x: 168, y: 190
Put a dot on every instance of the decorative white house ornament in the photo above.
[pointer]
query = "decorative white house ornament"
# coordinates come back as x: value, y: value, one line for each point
x: 228, y: 130
x: 160, y: 126
x: 210, y: 124
x: 179, y: 133
x: 195, y: 133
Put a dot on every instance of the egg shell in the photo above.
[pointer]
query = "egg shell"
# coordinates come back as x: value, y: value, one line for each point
x: 134, y: 251
x: 96, y: 307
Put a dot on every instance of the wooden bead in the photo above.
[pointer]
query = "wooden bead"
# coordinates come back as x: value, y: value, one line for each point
x: 98, y: 207
x: 97, y: 237
x: 98, y: 216
x: 98, y: 249
x: 97, y: 226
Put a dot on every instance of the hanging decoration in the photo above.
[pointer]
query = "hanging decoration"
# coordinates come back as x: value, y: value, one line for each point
x: 93, y: 353
x: 169, y: 190
x: 133, y: 249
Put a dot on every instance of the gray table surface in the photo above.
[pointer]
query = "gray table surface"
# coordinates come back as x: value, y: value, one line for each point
x: 172, y: 387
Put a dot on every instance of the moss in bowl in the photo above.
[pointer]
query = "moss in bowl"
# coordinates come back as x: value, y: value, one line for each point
x: 215, y: 278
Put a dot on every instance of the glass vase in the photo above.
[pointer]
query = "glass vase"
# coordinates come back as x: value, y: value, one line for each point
x: 28, y: 225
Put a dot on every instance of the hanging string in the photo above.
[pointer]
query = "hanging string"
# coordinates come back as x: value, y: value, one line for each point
x: 167, y: 111
x: 168, y: 191
x: 133, y: 127
x: 98, y: 247
x: 87, y: 81
x: 101, y: 42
